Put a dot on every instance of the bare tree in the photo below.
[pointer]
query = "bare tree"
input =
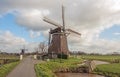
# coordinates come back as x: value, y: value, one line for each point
x: 36, y: 49
x: 42, y: 47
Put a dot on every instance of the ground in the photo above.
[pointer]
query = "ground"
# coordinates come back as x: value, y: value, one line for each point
x: 24, y: 69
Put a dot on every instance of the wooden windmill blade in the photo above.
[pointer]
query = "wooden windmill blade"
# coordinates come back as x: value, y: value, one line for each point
x: 63, y: 18
x: 51, y: 22
x: 70, y: 30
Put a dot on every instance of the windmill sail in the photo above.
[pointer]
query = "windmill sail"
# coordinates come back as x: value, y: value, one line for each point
x: 51, y: 22
x: 58, y: 36
x: 63, y: 18
x: 70, y: 30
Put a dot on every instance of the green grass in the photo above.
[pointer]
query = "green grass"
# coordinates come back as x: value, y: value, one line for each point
x: 112, y: 70
x: 5, y: 56
x: 43, y: 70
x: 47, y: 69
x: 5, y: 69
x: 109, y: 58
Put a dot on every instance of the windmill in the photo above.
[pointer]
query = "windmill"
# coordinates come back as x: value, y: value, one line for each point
x: 23, y: 50
x: 58, y: 37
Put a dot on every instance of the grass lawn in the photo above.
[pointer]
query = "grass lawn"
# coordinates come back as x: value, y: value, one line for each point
x: 109, y: 58
x: 112, y: 70
x: 47, y: 69
x: 5, y: 69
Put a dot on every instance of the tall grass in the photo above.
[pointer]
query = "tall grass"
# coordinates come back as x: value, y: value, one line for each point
x: 5, y: 56
x: 6, y: 61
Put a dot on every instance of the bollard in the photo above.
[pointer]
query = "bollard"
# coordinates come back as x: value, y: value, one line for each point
x: 21, y: 57
x: 35, y: 57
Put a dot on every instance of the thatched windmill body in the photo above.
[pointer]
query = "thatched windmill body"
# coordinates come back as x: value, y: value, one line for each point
x: 58, y: 36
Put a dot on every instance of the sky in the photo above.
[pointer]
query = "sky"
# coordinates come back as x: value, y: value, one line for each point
x: 21, y: 23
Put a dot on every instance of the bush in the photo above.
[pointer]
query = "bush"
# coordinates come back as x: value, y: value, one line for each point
x: 62, y: 56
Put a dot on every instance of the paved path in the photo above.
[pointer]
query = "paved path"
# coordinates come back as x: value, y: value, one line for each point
x: 24, y: 69
x: 96, y: 62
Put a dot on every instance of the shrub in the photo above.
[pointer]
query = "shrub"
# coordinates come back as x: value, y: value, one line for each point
x: 62, y: 56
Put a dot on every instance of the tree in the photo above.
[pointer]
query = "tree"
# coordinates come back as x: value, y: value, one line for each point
x: 36, y: 50
x: 42, y: 47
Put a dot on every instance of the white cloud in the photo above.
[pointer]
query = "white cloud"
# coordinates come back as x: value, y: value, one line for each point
x: 98, y: 46
x: 89, y: 17
x: 117, y: 33
x: 9, y: 42
x: 34, y: 34
x: 32, y: 19
x: 8, y: 38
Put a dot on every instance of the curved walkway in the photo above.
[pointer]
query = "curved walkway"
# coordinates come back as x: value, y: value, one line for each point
x: 97, y: 62
x: 24, y: 69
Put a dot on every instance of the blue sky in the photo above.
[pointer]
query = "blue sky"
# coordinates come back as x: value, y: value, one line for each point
x: 8, y: 23
x: 109, y: 33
